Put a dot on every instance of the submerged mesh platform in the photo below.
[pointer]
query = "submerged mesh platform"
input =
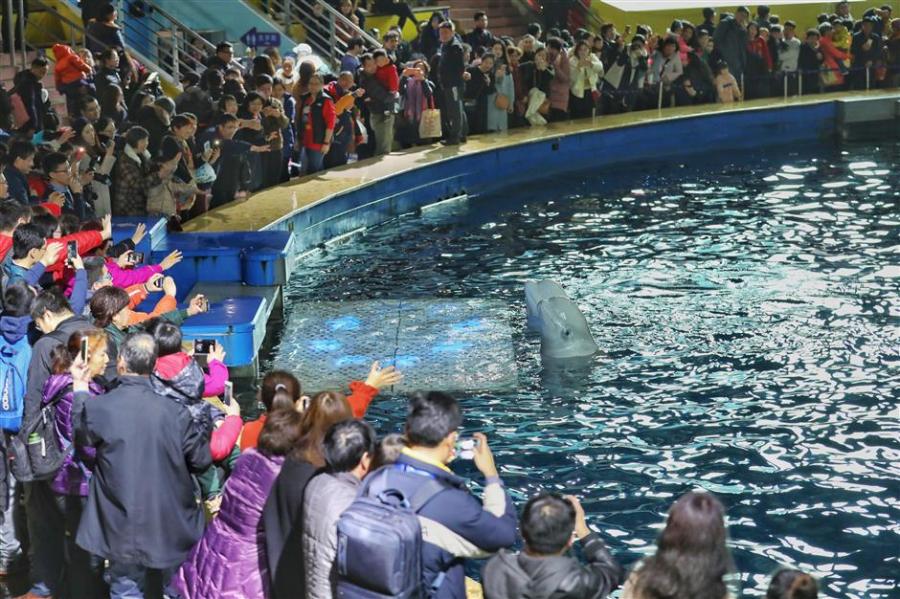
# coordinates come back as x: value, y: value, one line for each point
x: 450, y: 345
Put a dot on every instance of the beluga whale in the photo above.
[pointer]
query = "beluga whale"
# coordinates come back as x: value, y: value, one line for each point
x: 564, y: 331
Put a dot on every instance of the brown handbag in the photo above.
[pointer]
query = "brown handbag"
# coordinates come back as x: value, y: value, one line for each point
x: 501, y: 102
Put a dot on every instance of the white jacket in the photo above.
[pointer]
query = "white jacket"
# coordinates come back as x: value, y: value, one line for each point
x: 582, y: 78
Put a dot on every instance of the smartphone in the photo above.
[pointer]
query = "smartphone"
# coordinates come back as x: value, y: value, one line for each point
x: 136, y: 257
x: 217, y: 143
x: 71, y: 251
x: 158, y: 284
x: 204, y: 346
x: 84, y: 349
x: 229, y: 393
x: 79, y: 153
x: 465, y: 449
x: 204, y: 303
x: 206, y: 146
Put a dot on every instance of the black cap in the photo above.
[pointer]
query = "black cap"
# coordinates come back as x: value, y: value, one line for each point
x: 222, y: 46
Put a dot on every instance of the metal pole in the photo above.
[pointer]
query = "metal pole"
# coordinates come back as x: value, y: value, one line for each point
x: 332, y: 42
x: 799, y: 84
x: 743, y: 91
x: 868, y: 78
x: 786, y: 75
x: 21, y: 20
x: 659, y: 100
x: 10, y: 34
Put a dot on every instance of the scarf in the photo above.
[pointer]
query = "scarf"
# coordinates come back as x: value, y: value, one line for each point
x: 415, y: 100
x: 139, y: 159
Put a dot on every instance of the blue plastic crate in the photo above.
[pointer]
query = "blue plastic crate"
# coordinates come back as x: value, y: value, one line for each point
x: 238, y: 324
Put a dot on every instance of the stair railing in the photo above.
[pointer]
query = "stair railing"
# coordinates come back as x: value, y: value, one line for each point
x: 327, y: 30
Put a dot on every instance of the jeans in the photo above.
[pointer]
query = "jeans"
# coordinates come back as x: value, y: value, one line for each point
x: 312, y: 161
x: 453, y: 115
x: 47, y: 532
x: 383, y: 128
x: 132, y: 581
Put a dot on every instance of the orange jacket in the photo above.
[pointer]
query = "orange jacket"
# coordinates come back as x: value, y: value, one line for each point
x: 69, y: 66
x: 136, y: 295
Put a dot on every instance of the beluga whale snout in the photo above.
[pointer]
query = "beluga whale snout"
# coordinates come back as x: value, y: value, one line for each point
x: 564, y: 331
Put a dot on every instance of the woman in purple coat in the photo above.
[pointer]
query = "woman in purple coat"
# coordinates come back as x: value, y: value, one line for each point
x: 70, y: 485
x: 229, y: 561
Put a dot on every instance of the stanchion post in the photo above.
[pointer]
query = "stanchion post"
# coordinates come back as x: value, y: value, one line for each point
x: 868, y: 78
x: 659, y: 100
x: 799, y: 84
x: 786, y: 75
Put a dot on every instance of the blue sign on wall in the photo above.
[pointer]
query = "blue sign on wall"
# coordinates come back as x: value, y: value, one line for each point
x: 261, y: 39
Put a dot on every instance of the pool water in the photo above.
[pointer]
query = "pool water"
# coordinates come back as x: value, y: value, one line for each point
x: 747, y: 308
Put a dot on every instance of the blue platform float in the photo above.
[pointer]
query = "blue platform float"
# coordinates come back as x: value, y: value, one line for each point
x: 240, y: 273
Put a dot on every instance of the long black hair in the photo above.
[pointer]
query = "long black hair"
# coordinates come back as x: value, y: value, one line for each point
x: 691, y: 558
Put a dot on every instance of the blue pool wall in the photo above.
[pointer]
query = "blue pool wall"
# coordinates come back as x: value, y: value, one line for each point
x: 486, y: 171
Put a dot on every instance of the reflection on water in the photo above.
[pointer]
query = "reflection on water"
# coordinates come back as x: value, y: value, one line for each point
x: 748, y: 313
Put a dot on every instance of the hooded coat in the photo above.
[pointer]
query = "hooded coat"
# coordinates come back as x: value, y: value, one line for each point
x: 229, y: 562
x: 69, y: 66
x: 179, y: 377
x: 510, y: 575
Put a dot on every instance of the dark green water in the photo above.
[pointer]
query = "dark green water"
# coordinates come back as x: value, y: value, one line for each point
x: 748, y: 313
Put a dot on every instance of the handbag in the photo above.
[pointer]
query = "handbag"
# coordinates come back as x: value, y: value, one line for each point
x: 545, y: 107
x: 501, y: 102
x: 19, y: 112
x: 430, y: 122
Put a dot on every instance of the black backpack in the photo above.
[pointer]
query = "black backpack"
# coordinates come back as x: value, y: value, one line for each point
x: 379, y: 539
x: 36, y: 452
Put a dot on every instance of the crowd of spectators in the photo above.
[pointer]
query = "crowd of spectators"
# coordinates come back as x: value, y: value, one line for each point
x: 129, y: 468
x: 247, y: 124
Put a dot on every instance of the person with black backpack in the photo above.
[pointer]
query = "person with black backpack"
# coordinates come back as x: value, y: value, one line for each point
x: 53, y: 316
x: 414, y: 521
x: 550, y: 525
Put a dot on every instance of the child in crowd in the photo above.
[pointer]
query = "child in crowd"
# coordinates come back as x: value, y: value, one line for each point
x: 727, y: 89
x: 792, y: 584
x: 386, y: 73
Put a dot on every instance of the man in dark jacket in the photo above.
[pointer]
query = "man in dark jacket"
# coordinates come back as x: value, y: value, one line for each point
x: 28, y: 84
x: 20, y: 161
x: 866, y: 51
x: 731, y: 41
x: 221, y: 60
x: 108, y: 73
x: 451, y: 518
x: 141, y: 513
x: 452, y: 76
x: 380, y: 103
x: 708, y: 25
x: 480, y: 37
x: 543, y: 570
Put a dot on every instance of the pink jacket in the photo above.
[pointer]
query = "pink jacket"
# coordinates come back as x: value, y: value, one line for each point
x: 559, y: 86
x: 127, y: 277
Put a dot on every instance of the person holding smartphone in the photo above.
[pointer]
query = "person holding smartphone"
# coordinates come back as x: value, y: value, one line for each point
x: 551, y: 525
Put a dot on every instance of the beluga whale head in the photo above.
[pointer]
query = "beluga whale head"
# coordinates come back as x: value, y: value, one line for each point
x: 564, y: 331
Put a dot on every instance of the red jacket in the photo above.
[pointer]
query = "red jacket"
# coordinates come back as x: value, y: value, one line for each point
x: 69, y: 66
x: 5, y: 246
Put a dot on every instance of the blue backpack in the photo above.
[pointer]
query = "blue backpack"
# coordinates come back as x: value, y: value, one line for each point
x: 14, y: 360
x: 379, y: 538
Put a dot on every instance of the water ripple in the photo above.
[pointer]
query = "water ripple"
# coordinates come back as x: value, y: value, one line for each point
x: 749, y: 320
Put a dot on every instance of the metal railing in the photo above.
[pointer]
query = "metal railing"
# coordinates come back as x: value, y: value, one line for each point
x: 166, y: 42
x: 73, y: 33
x: 327, y: 30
